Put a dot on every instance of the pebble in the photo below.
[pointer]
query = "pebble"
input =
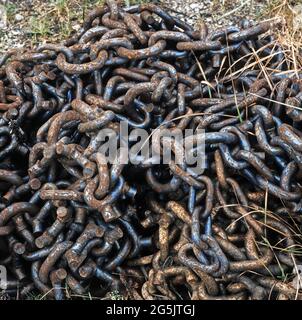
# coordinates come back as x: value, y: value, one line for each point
x: 19, y: 17
x: 194, y: 10
x: 3, y: 17
x: 297, y: 20
x: 194, y: 6
x: 76, y: 27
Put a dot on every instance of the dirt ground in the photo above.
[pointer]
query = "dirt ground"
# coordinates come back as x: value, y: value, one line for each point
x: 23, y: 23
x: 216, y: 13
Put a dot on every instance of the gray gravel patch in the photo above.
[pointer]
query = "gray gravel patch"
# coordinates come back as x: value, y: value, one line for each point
x: 215, y: 13
x: 16, y: 29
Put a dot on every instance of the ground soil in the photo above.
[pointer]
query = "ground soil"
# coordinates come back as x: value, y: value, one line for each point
x: 23, y: 23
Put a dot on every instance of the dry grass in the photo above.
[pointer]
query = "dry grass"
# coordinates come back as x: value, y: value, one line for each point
x: 45, y: 21
x: 289, y: 30
x: 295, y: 251
x: 60, y: 19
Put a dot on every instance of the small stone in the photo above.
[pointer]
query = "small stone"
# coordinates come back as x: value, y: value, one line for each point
x: 19, y: 17
x: 194, y: 6
x: 297, y: 19
x: 3, y: 17
x: 76, y: 27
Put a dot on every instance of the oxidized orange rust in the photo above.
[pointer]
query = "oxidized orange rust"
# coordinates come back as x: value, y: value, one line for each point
x: 155, y: 49
x: 83, y: 68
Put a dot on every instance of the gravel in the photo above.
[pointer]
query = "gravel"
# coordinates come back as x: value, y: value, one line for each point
x: 215, y: 13
x: 16, y: 16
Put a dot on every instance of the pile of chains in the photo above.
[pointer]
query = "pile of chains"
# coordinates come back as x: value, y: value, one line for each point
x: 74, y: 225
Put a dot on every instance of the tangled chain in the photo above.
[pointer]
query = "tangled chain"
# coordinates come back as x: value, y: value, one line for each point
x: 72, y: 224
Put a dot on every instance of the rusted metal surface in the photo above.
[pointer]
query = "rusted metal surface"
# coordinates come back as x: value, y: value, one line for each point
x: 70, y: 221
